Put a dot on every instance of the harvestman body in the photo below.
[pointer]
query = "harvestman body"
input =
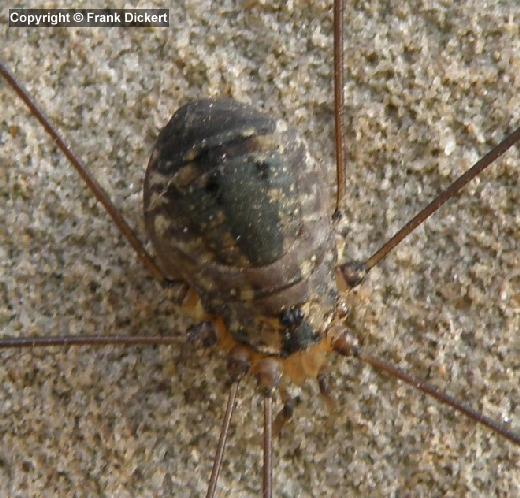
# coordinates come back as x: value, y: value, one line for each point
x: 296, y: 334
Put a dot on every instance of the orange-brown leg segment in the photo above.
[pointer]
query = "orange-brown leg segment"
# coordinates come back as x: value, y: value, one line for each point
x: 326, y: 391
x: 285, y: 414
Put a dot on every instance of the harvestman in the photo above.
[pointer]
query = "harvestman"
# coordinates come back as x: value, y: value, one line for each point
x: 353, y: 273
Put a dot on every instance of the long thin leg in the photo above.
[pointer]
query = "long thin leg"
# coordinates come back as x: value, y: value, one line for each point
x: 217, y: 463
x: 87, y: 340
x: 85, y: 174
x: 444, y: 196
x: 267, y: 486
x: 344, y: 347
x: 268, y: 373
x: 338, y: 102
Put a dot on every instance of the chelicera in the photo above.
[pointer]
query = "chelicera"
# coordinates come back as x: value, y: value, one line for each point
x: 245, y: 354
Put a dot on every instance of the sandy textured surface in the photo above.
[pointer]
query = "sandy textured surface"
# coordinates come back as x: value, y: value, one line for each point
x: 428, y: 90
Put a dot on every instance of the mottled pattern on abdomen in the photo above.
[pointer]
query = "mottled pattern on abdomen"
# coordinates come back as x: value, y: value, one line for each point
x: 235, y: 206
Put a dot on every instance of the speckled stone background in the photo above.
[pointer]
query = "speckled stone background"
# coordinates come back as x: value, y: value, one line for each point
x: 430, y: 87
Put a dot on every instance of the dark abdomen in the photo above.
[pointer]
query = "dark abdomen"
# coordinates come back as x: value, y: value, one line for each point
x: 235, y: 206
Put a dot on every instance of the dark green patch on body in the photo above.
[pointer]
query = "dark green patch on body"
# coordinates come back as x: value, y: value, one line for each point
x: 239, y: 201
x: 251, y: 202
